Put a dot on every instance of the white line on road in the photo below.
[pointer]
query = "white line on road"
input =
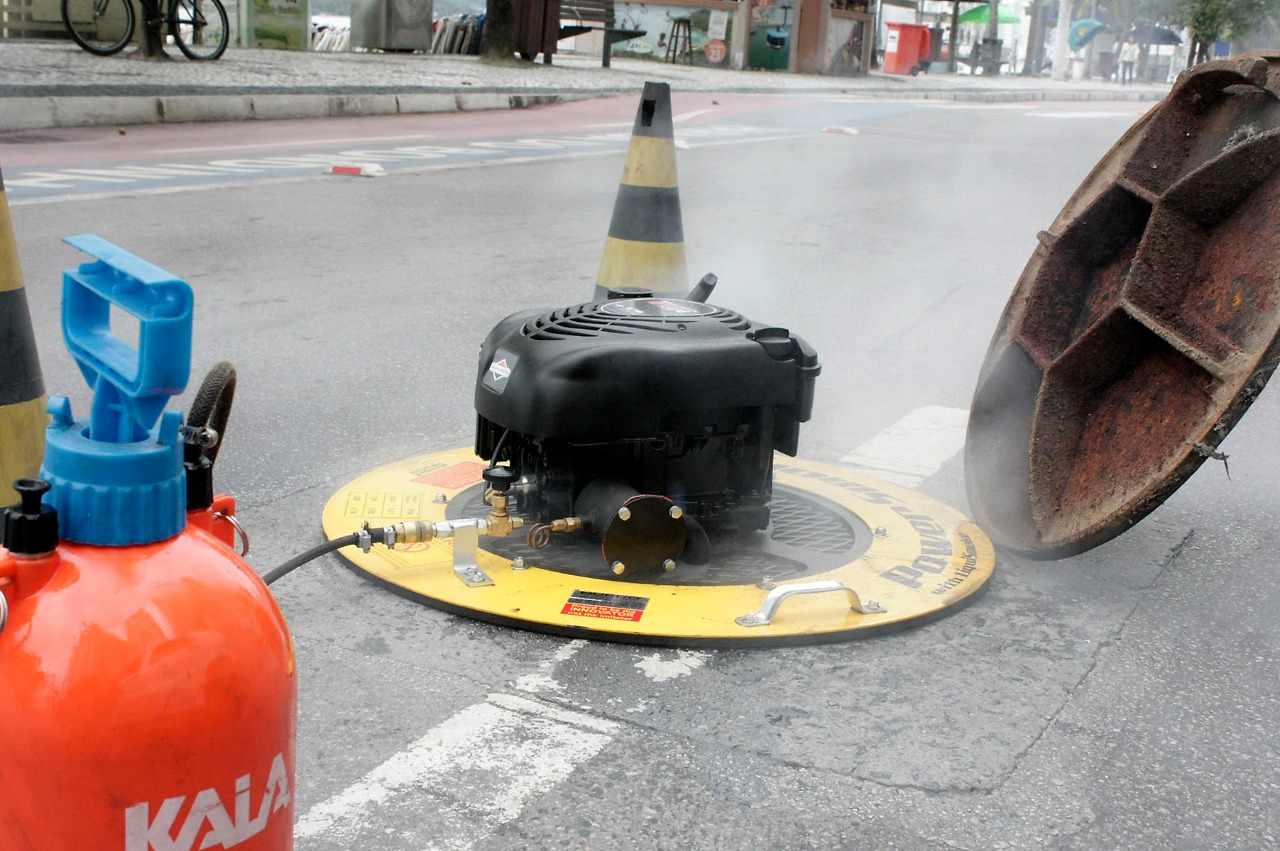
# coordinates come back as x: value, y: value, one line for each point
x: 541, y: 679
x: 495, y: 755
x: 419, y: 160
x: 915, y: 447
x: 675, y: 119
x: 295, y: 143
x: 685, y: 116
x: 662, y: 666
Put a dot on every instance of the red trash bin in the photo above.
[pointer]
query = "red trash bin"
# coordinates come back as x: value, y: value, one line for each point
x: 905, y: 46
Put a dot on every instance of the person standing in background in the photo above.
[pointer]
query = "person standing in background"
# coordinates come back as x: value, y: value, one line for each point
x: 1128, y: 58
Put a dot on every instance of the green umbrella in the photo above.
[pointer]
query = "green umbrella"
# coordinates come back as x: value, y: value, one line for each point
x: 1082, y: 32
x: 979, y: 15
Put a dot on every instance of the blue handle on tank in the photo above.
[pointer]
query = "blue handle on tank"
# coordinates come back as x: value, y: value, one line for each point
x: 140, y: 380
x: 118, y: 477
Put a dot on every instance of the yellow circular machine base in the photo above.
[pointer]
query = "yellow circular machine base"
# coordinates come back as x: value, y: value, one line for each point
x: 915, y: 558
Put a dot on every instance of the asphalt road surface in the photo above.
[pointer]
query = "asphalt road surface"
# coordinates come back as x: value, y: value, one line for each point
x: 1123, y: 698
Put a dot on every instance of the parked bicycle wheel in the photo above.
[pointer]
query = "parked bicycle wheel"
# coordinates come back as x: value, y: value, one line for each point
x: 199, y: 27
x: 102, y: 27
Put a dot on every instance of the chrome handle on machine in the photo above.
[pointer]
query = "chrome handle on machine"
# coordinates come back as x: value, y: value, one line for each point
x: 775, y: 598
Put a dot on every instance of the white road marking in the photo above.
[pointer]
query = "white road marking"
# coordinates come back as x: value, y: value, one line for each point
x: 685, y: 116
x: 417, y: 157
x: 663, y: 666
x: 296, y: 143
x: 498, y: 754
x: 915, y: 447
x: 541, y: 679
x: 51, y: 180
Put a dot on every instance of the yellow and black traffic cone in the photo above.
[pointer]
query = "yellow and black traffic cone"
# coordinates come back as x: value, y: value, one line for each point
x: 22, y: 403
x: 645, y: 246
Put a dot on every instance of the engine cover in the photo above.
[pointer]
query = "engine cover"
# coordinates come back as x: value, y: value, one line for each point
x: 675, y: 398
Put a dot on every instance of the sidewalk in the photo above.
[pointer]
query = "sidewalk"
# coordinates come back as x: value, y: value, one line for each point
x: 46, y: 84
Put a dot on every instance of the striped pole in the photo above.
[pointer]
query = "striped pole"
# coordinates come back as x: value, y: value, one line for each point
x: 22, y: 403
x: 645, y: 246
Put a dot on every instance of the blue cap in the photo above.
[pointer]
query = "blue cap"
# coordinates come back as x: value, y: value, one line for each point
x: 117, y: 477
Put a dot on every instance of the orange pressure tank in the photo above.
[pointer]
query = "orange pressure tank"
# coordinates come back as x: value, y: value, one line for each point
x: 147, y: 681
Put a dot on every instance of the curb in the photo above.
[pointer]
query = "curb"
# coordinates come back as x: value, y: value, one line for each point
x: 64, y: 111
x: 38, y: 113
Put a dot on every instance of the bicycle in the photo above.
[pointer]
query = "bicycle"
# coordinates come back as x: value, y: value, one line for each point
x: 105, y: 27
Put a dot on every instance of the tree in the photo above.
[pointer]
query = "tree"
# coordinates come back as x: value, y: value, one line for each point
x: 499, y: 40
x: 1123, y: 15
x: 152, y: 38
x: 1222, y: 20
x: 1035, y: 44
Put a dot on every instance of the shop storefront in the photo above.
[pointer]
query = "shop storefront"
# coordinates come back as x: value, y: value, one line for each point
x: 699, y: 32
x: 808, y: 36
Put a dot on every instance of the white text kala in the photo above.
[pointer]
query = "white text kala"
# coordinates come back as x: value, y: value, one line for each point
x: 144, y: 831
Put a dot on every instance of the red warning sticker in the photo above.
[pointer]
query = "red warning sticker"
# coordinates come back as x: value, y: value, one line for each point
x: 613, y: 607
x: 455, y: 476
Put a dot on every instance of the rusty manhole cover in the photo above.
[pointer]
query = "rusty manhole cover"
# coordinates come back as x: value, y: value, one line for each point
x: 1144, y: 325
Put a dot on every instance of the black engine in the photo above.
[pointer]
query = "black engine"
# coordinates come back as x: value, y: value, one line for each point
x: 660, y: 410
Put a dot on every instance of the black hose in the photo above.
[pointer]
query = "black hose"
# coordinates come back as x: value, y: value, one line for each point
x: 212, y: 405
x: 374, y: 535
x: 211, y: 408
x: 494, y: 459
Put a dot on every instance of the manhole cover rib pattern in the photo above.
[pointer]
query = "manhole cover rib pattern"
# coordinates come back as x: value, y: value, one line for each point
x: 1144, y: 325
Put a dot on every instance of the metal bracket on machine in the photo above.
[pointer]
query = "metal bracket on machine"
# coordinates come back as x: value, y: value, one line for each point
x: 466, y: 545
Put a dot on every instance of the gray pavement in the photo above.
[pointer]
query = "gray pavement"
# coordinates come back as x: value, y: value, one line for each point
x: 46, y: 84
x: 1125, y: 698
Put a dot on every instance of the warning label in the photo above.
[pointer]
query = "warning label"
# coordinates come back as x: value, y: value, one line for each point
x: 614, y: 607
x: 455, y: 476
